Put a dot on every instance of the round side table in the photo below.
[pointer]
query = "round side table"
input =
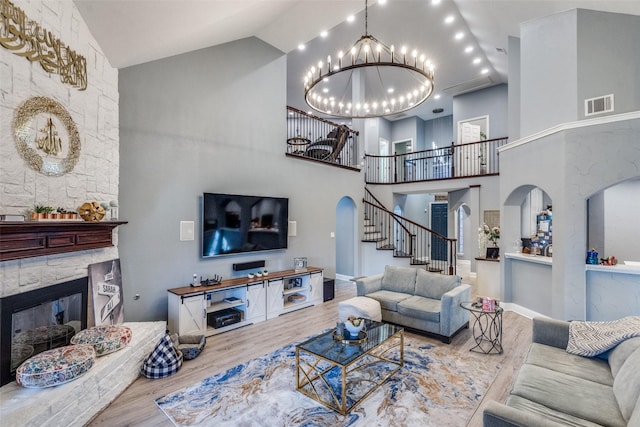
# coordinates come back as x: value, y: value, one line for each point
x: 487, y: 328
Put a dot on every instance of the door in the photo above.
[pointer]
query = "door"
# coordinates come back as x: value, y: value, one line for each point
x: 192, y: 315
x: 256, y: 302
x: 385, y: 167
x: 403, y: 161
x: 439, y: 225
x: 275, y: 301
x: 316, y: 284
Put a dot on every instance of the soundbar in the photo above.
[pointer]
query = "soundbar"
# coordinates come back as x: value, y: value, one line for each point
x: 247, y: 265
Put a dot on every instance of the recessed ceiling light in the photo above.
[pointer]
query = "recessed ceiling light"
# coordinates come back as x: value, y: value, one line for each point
x: 382, y: 1
x: 324, y: 34
x: 437, y: 96
x: 485, y: 71
x: 477, y: 60
x: 468, y: 49
x: 459, y: 35
x: 301, y: 46
x: 351, y: 18
x: 434, y: 2
x: 390, y: 90
x: 449, y: 19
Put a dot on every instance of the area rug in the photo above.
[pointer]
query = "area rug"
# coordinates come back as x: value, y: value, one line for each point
x: 435, y: 387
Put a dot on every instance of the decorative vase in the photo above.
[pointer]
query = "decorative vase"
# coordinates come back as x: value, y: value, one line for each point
x: 352, y: 329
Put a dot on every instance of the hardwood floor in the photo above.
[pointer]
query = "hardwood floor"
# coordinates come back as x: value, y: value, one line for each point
x: 136, y: 405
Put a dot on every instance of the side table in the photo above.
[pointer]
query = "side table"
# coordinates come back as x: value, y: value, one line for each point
x: 487, y: 328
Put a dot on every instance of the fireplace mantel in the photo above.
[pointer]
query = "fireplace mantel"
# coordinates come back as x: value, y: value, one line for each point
x: 39, y: 238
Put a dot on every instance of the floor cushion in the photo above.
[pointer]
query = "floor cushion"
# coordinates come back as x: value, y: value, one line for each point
x: 105, y: 339
x: 54, y: 367
x: 164, y: 360
x: 45, y: 337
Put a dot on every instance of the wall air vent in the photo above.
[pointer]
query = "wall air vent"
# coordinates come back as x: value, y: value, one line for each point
x: 598, y: 105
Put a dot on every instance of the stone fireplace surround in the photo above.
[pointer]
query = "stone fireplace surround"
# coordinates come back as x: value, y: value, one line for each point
x: 76, y: 402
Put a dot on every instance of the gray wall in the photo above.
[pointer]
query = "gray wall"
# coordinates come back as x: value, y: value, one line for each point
x: 438, y: 130
x: 514, y: 103
x: 346, y: 238
x: 574, y: 55
x: 491, y: 101
x: 212, y: 120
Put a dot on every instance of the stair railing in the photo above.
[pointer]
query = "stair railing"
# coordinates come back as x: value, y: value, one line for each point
x: 409, y: 239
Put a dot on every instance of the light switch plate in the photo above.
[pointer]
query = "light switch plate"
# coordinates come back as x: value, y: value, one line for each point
x: 187, y: 230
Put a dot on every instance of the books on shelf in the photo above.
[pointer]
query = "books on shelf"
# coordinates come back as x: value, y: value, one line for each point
x: 232, y: 300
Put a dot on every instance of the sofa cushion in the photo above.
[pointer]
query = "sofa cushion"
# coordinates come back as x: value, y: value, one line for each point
x: 571, y: 395
x: 421, y: 308
x: 399, y: 279
x: 434, y: 285
x: 626, y: 386
x: 541, y: 411
x: 619, y: 354
x: 388, y: 300
x: 559, y: 360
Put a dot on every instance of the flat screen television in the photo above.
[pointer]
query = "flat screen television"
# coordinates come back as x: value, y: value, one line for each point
x: 233, y: 224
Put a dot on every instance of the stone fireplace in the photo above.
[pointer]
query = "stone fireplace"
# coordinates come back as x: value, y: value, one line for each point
x: 39, y: 320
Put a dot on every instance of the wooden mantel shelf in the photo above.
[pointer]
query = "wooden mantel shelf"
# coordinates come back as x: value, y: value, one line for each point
x: 40, y: 238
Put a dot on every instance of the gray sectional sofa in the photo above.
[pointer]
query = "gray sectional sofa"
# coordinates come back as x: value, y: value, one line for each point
x: 556, y: 388
x: 418, y: 299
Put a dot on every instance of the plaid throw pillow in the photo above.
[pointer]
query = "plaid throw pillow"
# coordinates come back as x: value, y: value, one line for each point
x: 163, y: 361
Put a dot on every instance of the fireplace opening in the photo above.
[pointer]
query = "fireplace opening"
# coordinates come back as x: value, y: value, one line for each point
x: 39, y: 320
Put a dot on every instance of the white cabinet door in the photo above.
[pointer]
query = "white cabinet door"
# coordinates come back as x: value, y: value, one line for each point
x: 256, y: 302
x: 316, y: 283
x: 275, y: 302
x: 192, y: 315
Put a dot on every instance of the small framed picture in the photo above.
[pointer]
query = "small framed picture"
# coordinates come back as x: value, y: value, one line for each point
x: 493, y: 253
x: 300, y: 264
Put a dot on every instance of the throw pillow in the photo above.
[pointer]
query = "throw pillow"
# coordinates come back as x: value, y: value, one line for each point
x: 399, y: 279
x: 434, y: 285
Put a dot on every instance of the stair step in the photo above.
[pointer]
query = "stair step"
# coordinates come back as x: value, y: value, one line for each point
x: 386, y: 248
x: 373, y: 240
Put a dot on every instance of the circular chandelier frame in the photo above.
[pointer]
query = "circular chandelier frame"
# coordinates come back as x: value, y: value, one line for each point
x: 412, y: 71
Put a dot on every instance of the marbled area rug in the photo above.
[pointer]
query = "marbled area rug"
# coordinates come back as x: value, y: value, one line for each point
x: 435, y: 387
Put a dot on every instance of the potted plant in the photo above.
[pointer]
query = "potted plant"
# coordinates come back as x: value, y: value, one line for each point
x: 265, y: 273
x: 48, y: 212
x: 38, y: 212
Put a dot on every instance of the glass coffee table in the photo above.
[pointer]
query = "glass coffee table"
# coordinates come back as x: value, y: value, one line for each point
x: 342, y: 373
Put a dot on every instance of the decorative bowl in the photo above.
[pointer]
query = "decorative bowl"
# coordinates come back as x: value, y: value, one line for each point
x: 353, y: 329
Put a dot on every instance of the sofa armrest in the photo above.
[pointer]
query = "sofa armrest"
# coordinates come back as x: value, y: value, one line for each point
x: 369, y: 284
x: 497, y: 414
x: 550, y: 332
x: 452, y: 316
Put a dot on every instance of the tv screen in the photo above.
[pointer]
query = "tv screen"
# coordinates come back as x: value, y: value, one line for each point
x: 233, y: 223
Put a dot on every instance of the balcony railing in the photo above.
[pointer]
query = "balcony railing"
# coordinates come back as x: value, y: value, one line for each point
x: 316, y: 139
x: 456, y: 161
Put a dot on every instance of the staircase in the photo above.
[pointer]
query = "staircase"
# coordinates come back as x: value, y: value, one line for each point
x: 407, y: 239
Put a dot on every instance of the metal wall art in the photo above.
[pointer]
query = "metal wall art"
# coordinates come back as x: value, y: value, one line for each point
x: 46, y: 136
x: 27, y: 38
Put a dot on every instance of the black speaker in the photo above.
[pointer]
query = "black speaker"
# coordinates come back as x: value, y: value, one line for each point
x: 248, y: 265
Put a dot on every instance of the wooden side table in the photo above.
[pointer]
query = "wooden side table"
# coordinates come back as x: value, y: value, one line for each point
x: 487, y: 328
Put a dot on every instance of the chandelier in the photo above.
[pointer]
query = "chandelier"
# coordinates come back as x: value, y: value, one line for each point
x: 369, y: 80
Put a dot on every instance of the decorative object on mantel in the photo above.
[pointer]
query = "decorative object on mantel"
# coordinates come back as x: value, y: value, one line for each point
x: 91, y: 211
x: 391, y: 81
x: 37, y: 125
x: 28, y: 39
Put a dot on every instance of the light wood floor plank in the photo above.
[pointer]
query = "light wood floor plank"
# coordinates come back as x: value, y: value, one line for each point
x: 136, y: 405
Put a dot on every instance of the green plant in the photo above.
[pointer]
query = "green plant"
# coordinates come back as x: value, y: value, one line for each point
x: 48, y: 209
x: 39, y: 208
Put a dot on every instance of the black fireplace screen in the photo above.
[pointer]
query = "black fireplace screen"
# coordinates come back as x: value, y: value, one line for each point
x: 36, y: 321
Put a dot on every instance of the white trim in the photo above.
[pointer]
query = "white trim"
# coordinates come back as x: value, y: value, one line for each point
x: 472, y: 119
x: 571, y: 125
x: 344, y: 277
x: 523, y: 311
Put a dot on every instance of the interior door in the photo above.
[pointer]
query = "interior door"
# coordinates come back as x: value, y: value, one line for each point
x: 439, y: 213
x: 404, y: 166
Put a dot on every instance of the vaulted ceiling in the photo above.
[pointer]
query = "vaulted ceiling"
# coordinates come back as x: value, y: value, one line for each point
x: 131, y: 32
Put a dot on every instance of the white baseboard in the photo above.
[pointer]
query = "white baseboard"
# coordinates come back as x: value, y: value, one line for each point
x: 523, y: 311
